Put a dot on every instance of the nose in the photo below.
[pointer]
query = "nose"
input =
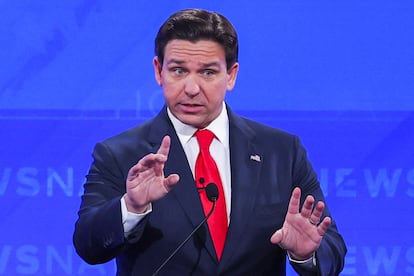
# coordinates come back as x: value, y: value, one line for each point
x: 192, y: 87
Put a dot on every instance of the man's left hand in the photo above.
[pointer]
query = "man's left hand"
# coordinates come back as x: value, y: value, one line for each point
x: 302, y: 232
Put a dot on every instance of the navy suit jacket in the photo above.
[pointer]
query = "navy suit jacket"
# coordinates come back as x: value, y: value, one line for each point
x: 260, y: 189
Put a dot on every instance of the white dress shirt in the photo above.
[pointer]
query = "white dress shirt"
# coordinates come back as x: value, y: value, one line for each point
x: 219, y: 150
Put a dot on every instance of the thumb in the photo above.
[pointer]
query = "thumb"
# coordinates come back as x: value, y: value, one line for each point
x: 277, y: 237
x: 170, y: 181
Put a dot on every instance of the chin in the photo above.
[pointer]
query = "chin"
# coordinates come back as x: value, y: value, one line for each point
x: 192, y: 121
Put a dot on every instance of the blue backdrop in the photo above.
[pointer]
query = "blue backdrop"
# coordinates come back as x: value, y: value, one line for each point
x: 340, y: 74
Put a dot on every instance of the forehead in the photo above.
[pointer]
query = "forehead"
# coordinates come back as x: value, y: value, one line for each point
x: 204, y: 51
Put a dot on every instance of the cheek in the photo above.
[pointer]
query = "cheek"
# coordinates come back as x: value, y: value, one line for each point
x: 170, y: 91
x: 215, y: 99
x: 218, y: 92
x: 172, y: 84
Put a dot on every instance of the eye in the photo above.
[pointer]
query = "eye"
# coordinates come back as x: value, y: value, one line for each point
x: 178, y: 71
x: 209, y: 73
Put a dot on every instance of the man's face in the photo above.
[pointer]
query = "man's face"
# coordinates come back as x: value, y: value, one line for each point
x: 195, y: 80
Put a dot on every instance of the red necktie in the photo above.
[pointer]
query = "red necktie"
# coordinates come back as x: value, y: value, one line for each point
x: 206, y: 172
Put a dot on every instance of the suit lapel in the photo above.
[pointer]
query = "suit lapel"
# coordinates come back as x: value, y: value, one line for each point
x: 185, y: 191
x: 245, y: 158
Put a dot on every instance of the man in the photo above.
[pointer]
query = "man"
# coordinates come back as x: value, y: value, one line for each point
x: 143, y: 196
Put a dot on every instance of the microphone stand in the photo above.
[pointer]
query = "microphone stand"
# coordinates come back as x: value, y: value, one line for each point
x: 188, y: 237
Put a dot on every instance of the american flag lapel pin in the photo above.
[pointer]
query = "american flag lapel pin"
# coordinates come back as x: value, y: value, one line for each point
x: 255, y: 157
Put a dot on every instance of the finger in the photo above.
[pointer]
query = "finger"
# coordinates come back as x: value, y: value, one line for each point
x: 307, y: 207
x: 170, y: 181
x: 317, y: 213
x: 324, y: 225
x: 148, y: 162
x: 277, y: 237
x: 294, y: 201
x: 133, y: 171
x: 151, y: 160
x: 165, y: 146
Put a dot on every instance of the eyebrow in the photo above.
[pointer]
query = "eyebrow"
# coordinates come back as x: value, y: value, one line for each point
x: 204, y: 65
x: 175, y: 61
x: 212, y: 64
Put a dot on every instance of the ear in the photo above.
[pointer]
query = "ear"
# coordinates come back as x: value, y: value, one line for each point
x: 157, y: 70
x: 232, y: 76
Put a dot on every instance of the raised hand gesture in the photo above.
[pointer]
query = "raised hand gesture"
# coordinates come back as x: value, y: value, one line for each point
x: 146, y: 182
x: 302, y: 231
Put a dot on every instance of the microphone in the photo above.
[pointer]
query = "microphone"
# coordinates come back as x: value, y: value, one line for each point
x: 212, y: 195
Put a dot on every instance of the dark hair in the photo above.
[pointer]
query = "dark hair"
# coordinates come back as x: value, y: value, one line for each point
x: 195, y: 25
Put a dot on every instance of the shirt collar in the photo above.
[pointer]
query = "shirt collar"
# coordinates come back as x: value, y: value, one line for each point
x: 218, y: 126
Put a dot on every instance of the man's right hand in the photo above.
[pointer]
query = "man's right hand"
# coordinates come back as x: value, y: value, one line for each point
x: 146, y: 182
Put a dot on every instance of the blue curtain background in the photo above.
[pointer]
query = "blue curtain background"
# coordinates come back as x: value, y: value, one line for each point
x: 340, y: 74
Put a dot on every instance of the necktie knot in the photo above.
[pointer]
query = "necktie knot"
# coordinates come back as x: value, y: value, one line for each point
x: 204, y: 138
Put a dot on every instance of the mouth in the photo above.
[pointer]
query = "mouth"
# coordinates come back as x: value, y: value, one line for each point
x: 191, y: 107
x: 191, y: 104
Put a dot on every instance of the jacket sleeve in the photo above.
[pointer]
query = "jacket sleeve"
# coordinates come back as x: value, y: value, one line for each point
x: 99, y: 233
x: 331, y: 253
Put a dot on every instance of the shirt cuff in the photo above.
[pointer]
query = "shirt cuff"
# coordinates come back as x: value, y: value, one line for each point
x: 308, y: 263
x: 129, y: 219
